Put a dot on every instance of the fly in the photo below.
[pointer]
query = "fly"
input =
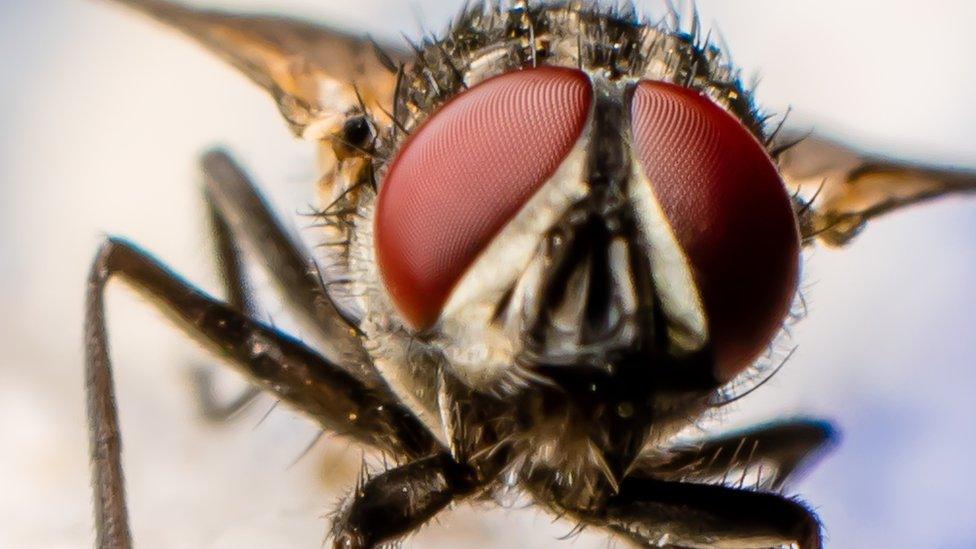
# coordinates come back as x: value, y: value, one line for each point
x: 554, y: 238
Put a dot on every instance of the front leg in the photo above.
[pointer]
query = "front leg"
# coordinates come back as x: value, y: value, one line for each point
x: 238, y: 295
x: 398, y: 501
x: 281, y: 364
x: 656, y: 513
x: 213, y: 409
x: 777, y: 452
x: 242, y: 216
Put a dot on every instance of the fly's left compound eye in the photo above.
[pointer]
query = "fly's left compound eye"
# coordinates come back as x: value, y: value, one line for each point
x: 729, y: 211
x: 465, y: 173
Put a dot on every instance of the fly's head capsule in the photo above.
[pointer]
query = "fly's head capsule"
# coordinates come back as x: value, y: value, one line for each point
x: 552, y: 217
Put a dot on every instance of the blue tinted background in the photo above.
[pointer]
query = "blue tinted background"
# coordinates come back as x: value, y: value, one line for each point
x: 102, y: 118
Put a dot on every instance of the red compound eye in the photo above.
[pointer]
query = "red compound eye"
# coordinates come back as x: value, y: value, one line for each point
x: 465, y: 173
x: 729, y: 211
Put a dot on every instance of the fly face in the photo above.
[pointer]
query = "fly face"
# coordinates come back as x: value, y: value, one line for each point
x: 571, y: 218
x: 553, y: 234
x: 559, y: 205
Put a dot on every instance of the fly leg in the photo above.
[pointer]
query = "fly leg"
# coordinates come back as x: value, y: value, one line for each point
x: 274, y: 360
x: 398, y: 501
x: 238, y: 295
x: 239, y: 214
x: 656, y: 513
x: 243, y: 216
x: 213, y: 409
x: 783, y: 449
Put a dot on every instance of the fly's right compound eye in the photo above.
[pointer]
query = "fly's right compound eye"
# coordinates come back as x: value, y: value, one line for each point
x: 465, y: 173
x: 729, y: 211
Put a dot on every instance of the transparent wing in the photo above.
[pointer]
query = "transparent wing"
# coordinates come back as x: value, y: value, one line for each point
x: 317, y: 75
x: 850, y: 187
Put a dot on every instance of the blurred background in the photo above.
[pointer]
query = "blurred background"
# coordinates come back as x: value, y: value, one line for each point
x: 104, y: 115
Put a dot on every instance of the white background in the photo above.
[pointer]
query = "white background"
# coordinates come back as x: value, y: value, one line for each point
x: 102, y: 117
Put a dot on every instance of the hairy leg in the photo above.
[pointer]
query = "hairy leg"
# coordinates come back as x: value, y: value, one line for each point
x: 213, y: 409
x: 245, y: 217
x: 279, y: 363
x: 655, y: 513
x: 238, y: 213
x: 782, y: 449
x: 400, y: 500
x: 238, y: 295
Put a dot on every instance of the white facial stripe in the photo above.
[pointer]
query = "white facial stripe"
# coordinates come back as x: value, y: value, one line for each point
x: 480, y: 350
x: 673, y: 280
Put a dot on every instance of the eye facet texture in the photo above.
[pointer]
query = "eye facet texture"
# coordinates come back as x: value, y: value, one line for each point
x: 465, y: 173
x: 729, y: 211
